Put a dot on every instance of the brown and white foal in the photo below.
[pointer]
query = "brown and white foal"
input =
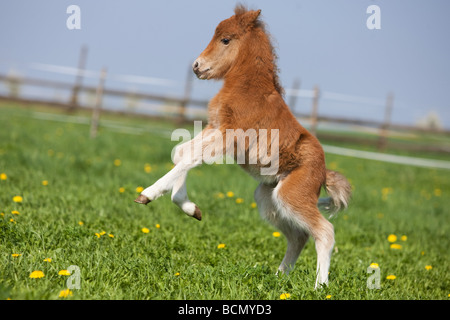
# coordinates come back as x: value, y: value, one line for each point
x: 251, y: 100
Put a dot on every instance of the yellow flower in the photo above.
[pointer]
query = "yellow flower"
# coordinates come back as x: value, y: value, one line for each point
x: 102, y: 233
x: 121, y: 189
x: 64, y: 273
x: 285, y: 296
x: 428, y: 267
x: 221, y: 246
x: 177, y: 274
x: 65, y: 293
x: 36, y: 274
x: 97, y: 234
x: 81, y: 223
x: 403, y: 238
x: 328, y: 296
x: 117, y: 162
x: 391, y: 277
x: 3, y: 176
x: 220, y: 195
x: 374, y: 265
x: 392, y: 238
x: 396, y: 246
x: 139, y: 189
x: 385, y: 192
x: 48, y: 259
x: 12, y: 220
x: 158, y: 226
x: 148, y: 168
x: 276, y: 234
x: 15, y: 255
x: 15, y: 212
x: 437, y: 192
x: 44, y: 182
x: 239, y: 200
x: 17, y: 199
x: 111, y: 235
x: 230, y: 194
x: 253, y: 205
x: 145, y: 230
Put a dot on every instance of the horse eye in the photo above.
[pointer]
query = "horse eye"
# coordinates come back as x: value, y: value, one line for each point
x: 225, y: 41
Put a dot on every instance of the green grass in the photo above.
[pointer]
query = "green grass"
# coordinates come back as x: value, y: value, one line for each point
x: 180, y: 260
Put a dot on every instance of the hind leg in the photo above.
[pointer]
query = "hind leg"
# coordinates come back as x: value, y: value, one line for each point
x: 296, y: 236
x: 296, y: 197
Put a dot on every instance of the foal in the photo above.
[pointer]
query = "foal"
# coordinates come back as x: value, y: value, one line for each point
x: 241, y: 54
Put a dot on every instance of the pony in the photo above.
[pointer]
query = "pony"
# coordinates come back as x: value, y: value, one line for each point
x: 251, y: 100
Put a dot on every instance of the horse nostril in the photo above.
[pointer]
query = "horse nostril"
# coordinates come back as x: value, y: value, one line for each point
x: 195, y: 64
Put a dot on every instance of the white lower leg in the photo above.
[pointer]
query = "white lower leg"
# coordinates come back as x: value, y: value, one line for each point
x: 324, y: 247
x: 180, y: 198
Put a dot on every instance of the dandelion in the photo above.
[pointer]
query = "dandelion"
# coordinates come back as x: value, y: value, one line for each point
x: 97, y: 234
x: 437, y: 192
x: 65, y: 293
x: 17, y: 199
x: 110, y: 235
x: 391, y: 277
x: 3, y: 176
x: 403, y: 238
x: 230, y: 194
x: 253, y: 205
x: 12, y: 220
x: 37, y: 274
x: 220, y: 195
x: 221, y: 246
x: 396, y: 246
x: 177, y: 274
x: 148, y: 168
x: 392, y: 238
x: 157, y: 226
x: 64, y: 273
x: 145, y: 230
x: 139, y: 189
x: 385, y: 192
x: 428, y: 267
x: 117, y: 162
x: 48, y: 259
x: 285, y: 296
x: 239, y: 200
x: 329, y: 296
x: 15, y: 212
x: 121, y: 189
x: 45, y: 182
x: 15, y: 255
x: 374, y: 265
x: 276, y: 234
x: 81, y: 223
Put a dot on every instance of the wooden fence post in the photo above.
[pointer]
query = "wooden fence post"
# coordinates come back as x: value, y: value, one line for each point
x: 98, y: 104
x: 73, y: 104
x: 315, y: 106
x: 384, y: 129
x: 187, y: 95
x: 294, y: 95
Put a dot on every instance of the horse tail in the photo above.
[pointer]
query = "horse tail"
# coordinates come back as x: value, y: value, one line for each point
x: 339, y: 191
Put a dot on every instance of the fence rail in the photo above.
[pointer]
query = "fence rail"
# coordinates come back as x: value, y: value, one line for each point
x: 381, y: 131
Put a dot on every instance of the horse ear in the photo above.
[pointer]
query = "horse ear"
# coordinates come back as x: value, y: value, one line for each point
x: 249, y: 18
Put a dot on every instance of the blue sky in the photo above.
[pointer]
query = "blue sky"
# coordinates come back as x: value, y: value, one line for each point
x: 324, y: 43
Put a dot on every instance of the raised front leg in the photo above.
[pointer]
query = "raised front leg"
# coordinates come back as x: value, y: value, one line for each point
x: 187, y: 156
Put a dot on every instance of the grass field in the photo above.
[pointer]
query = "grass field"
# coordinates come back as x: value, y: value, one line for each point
x: 66, y: 199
